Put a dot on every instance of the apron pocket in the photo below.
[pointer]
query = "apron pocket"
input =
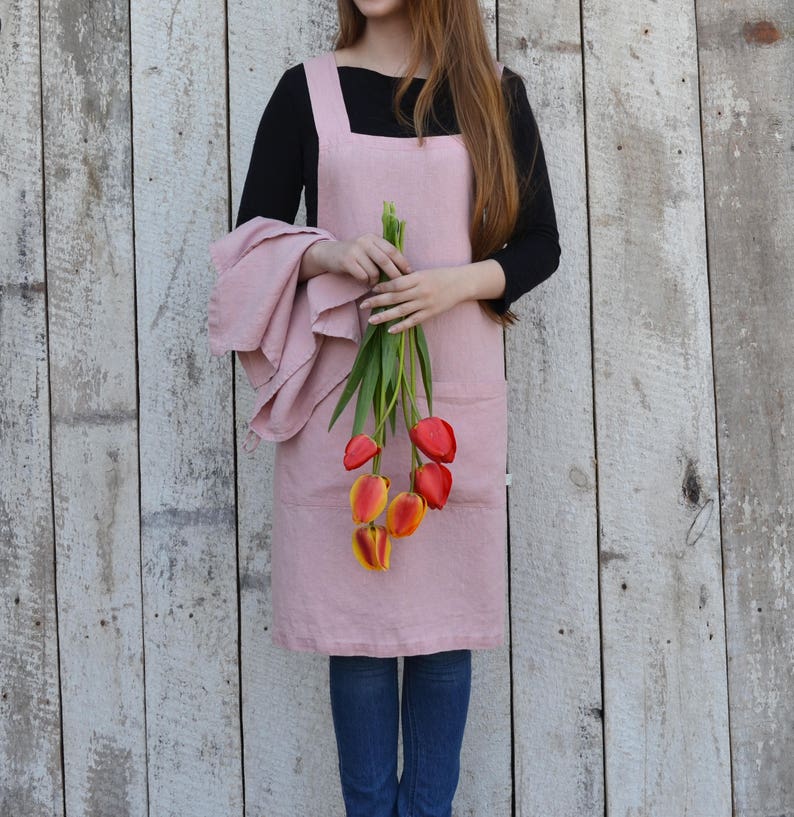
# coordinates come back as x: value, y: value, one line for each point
x: 477, y: 412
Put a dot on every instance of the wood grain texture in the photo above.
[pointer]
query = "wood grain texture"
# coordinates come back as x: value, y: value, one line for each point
x: 290, y: 750
x: 188, y: 519
x: 486, y: 775
x: 31, y: 777
x: 747, y: 91
x: 557, y: 718
x: 86, y: 105
x: 663, y: 650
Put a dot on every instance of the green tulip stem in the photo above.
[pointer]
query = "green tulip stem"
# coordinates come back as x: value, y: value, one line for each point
x: 376, y: 403
x: 404, y: 401
x: 412, y: 355
x: 409, y: 391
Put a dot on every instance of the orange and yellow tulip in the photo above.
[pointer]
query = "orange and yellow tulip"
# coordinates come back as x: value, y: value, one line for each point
x: 360, y: 449
x: 434, y: 482
x: 368, y: 497
x: 372, y: 546
x: 435, y: 438
x: 405, y: 513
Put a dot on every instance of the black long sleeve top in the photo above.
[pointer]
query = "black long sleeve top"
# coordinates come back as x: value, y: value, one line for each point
x: 285, y: 153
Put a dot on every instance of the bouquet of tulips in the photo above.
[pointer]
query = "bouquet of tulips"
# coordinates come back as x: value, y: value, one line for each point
x: 385, y: 369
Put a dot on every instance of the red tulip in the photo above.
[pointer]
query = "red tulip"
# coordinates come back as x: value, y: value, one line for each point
x: 360, y: 449
x: 368, y: 496
x: 405, y: 513
x: 435, y: 438
x: 434, y: 482
x: 372, y: 546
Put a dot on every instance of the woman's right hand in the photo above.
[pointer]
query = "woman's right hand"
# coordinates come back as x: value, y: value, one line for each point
x: 363, y: 259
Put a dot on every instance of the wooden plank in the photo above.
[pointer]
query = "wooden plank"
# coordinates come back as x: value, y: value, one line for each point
x: 665, y: 696
x: 290, y: 749
x: 186, y: 430
x: 31, y: 777
x: 557, y: 715
x: 486, y: 762
x: 747, y: 96
x: 489, y: 14
x: 85, y: 84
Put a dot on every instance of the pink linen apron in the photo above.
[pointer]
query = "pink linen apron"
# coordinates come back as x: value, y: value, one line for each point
x: 445, y: 588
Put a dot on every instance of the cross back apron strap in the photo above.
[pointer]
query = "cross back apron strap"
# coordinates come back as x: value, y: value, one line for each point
x: 325, y: 92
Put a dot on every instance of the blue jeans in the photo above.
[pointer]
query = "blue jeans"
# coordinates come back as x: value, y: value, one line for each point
x: 366, y: 714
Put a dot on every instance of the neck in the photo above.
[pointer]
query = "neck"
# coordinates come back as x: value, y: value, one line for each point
x: 386, y: 43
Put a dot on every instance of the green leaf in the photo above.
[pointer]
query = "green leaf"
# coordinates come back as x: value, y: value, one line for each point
x: 366, y: 393
x: 390, y: 344
x: 424, y: 365
x: 363, y: 359
x: 391, y: 387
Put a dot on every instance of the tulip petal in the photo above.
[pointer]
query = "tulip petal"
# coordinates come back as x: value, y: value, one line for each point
x: 405, y: 513
x: 372, y: 547
x: 382, y: 546
x: 434, y: 482
x: 363, y: 549
x: 435, y: 438
x: 360, y: 449
x: 368, y: 496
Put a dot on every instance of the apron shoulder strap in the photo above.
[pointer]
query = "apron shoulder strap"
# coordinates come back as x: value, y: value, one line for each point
x: 325, y: 93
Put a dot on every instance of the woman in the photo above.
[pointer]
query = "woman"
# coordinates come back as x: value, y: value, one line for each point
x: 409, y: 107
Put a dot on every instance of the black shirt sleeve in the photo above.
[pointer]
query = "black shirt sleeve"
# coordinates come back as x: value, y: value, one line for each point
x: 274, y: 180
x: 533, y: 252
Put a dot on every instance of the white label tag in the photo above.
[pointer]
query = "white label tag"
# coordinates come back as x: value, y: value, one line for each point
x: 508, y: 479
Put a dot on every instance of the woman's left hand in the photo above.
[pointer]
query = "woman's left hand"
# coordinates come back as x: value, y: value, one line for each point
x: 416, y: 296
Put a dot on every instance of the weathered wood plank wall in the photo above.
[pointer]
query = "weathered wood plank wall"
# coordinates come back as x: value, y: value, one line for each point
x: 90, y: 286
x: 747, y: 82
x: 649, y: 455
x: 658, y: 490
x: 188, y: 554
x: 31, y: 774
x: 552, y: 498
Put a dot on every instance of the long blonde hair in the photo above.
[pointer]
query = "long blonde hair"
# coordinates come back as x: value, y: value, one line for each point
x: 450, y: 33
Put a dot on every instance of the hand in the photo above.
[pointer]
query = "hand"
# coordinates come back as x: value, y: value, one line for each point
x: 417, y: 296
x: 363, y: 259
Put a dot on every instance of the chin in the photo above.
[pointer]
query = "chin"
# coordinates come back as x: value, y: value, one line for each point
x: 380, y: 8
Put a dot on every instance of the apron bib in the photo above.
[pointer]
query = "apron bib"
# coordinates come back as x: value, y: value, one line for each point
x: 445, y: 588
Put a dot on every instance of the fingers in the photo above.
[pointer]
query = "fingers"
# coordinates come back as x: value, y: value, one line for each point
x: 396, y: 291
x: 403, y: 295
x: 368, y: 256
x: 412, y: 320
x: 399, y: 310
x: 385, y: 263
x: 369, y: 267
x: 360, y: 273
x: 384, y: 255
x: 396, y: 285
x: 392, y: 262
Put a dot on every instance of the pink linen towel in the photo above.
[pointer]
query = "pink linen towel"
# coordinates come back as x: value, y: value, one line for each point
x: 295, y: 340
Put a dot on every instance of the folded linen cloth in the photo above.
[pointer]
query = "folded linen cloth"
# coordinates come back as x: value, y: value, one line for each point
x: 295, y: 340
